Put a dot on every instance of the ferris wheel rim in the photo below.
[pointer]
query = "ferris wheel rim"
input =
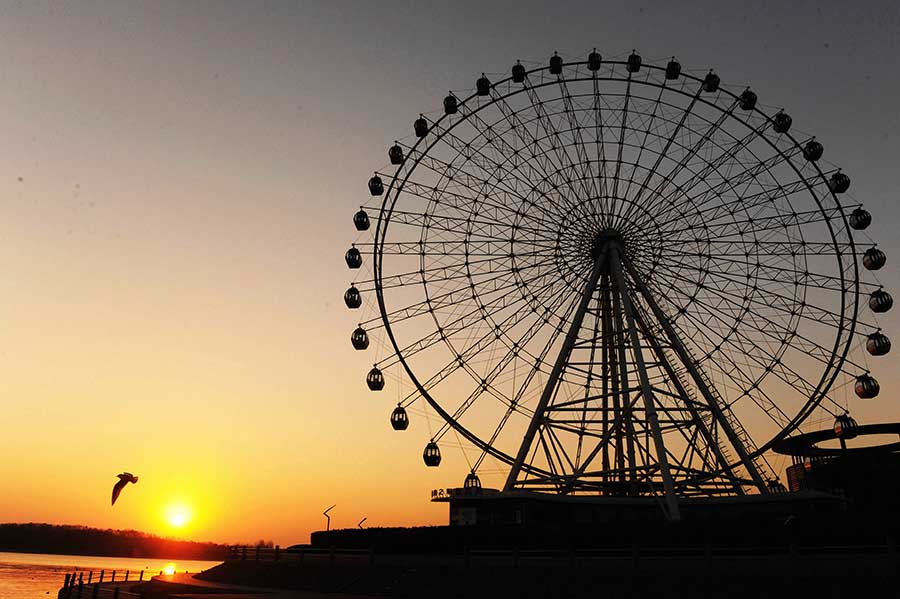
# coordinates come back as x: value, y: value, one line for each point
x: 843, y: 339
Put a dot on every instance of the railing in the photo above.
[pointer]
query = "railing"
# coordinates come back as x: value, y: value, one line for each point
x: 633, y: 553
x: 95, y: 587
x: 294, y: 555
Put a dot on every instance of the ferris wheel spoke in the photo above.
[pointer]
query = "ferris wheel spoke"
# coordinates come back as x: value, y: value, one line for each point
x: 763, y: 401
x: 513, y: 353
x: 662, y: 154
x: 507, y: 186
x: 473, y: 247
x: 588, y: 187
x: 461, y: 358
x: 499, y: 282
x: 622, y: 129
x: 774, y: 300
x: 712, y: 203
x: 510, y: 357
x: 791, y: 276
x: 489, y: 227
x: 802, y: 344
x: 760, y: 223
x: 476, y: 185
x: 512, y: 152
x: 762, y: 198
x: 600, y: 151
x: 694, y: 151
x: 564, y: 161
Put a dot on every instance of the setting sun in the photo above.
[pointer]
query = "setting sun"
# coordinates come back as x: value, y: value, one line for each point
x: 178, y: 515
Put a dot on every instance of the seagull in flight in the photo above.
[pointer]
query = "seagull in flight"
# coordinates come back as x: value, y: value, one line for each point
x: 124, y: 479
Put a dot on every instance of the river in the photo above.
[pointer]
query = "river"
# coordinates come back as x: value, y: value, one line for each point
x: 36, y: 575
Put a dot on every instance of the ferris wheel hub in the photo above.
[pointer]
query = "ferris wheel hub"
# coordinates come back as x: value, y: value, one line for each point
x: 604, y: 237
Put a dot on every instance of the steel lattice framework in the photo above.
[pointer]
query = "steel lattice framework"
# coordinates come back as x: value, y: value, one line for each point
x: 604, y: 274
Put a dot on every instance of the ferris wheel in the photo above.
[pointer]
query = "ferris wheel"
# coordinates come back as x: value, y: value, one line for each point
x: 611, y: 277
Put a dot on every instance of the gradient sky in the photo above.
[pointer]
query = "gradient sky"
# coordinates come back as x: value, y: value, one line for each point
x: 177, y: 182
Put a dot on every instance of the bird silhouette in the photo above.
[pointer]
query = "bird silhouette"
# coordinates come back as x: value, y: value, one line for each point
x: 124, y: 479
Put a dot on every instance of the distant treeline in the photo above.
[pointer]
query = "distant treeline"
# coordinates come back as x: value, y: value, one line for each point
x: 80, y: 540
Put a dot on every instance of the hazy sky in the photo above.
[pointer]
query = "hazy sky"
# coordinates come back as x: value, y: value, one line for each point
x: 177, y: 182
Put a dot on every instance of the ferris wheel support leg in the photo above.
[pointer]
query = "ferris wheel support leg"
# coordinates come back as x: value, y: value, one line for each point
x: 682, y: 354
x: 622, y: 391
x: 558, y: 367
x: 704, y: 431
x: 646, y: 390
x: 605, y: 373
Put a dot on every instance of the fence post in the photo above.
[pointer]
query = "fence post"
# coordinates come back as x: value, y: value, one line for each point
x: 66, y: 583
x: 81, y: 577
x: 141, y: 577
x: 126, y: 575
x: 90, y: 576
x: 277, y: 552
x: 113, y: 579
x: 102, y: 573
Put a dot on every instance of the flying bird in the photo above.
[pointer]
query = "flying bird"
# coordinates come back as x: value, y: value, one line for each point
x: 124, y: 479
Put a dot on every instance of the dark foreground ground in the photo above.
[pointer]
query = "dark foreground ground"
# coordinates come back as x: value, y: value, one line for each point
x: 807, y: 574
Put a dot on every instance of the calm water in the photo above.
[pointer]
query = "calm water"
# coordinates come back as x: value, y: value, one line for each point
x: 34, y: 575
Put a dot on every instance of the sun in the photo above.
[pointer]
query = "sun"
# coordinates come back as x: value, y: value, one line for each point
x: 178, y: 515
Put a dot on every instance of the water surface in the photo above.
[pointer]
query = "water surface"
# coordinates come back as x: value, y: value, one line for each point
x: 36, y: 575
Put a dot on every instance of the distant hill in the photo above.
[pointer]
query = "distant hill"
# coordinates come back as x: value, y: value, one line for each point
x: 81, y: 540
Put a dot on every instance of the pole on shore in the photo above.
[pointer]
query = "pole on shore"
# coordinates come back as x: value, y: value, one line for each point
x: 102, y: 574
x: 141, y: 577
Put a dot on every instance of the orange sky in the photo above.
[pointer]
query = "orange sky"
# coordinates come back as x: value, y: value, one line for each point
x: 172, y: 256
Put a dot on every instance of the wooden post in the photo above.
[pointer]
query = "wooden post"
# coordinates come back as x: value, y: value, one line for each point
x: 90, y: 576
x: 113, y: 578
x: 277, y: 552
x: 102, y: 573
x: 81, y: 578
x: 66, y: 583
x: 141, y: 577
x: 126, y: 575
